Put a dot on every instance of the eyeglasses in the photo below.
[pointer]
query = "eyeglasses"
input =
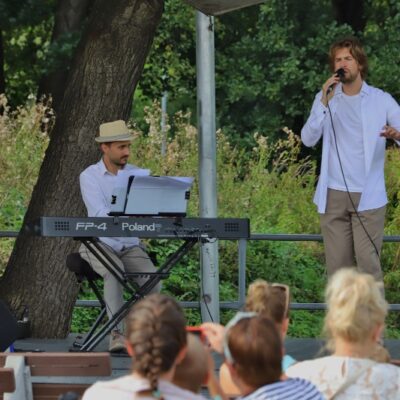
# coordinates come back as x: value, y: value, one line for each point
x: 286, y: 290
x: 238, y: 317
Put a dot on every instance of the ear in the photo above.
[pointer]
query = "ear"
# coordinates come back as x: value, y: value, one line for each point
x: 129, y: 348
x: 377, y: 333
x: 181, y: 355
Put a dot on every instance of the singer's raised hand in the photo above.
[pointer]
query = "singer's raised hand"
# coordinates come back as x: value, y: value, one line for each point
x: 390, y: 133
x: 330, y: 83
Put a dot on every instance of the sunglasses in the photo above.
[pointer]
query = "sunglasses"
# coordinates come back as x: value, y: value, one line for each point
x: 238, y: 317
x: 286, y: 290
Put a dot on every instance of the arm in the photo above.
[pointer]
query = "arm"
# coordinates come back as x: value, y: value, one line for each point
x: 93, y: 197
x: 392, y: 129
x: 214, y: 388
x: 312, y: 130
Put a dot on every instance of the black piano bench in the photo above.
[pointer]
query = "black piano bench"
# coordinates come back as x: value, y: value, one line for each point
x: 83, y: 271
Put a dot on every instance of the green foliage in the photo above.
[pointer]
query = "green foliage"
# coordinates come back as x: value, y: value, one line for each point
x: 269, y: 185
x: 23, y: 144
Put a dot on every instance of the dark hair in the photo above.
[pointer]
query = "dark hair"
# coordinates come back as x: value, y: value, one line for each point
x: 192, y: 372
x: 256, y: 348
x: 356, y: 50
x: 156, y: 332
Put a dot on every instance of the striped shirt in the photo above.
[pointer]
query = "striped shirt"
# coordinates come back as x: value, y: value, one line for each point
x: 290, y: 389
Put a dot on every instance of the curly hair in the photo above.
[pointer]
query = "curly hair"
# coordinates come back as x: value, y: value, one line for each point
x: 156, y: 332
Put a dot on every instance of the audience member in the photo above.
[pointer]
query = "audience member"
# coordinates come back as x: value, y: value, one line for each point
x: 271, y: 301
x: 253, y: 353
x: 353, y: 325
x: 192, y: 372
x: 156, y: 340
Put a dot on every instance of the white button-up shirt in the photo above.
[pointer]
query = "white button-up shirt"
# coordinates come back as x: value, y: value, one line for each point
x: 97, y: 185
x: 378, y: 108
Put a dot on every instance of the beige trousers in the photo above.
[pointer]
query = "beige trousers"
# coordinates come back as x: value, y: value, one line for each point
x: 345, y: 240
x: 131, y: 260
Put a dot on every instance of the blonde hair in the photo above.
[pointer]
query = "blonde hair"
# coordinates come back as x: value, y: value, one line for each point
x: 156, y: 332
x: 355, y: 306
x: 267, y: 300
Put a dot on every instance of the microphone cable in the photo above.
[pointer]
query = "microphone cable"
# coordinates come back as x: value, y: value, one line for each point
x: 347, y: 188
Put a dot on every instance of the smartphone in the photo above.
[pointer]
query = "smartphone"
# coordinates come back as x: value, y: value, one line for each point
x: 197, y: 331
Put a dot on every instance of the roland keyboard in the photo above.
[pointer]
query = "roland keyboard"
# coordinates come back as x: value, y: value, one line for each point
x: 142, y: 227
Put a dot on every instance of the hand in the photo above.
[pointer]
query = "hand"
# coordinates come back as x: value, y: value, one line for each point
x: 333, y: 80
x: 215, y: 334
x: 390, y: 133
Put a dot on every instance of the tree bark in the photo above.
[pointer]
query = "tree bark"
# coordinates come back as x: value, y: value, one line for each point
x: 105, y: 71
x: 69, y: 18
x: 350, y: 12
x: 2, y: 79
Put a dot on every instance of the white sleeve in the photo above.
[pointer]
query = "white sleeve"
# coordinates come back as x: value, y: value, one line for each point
x: 93, y: 197
x: 312, y: 130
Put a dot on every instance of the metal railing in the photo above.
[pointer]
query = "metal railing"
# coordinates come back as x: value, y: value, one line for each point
x: 242, y: 250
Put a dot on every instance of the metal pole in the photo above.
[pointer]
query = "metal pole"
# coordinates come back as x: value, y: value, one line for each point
x: 164, y: 99
x: 242, y: 271
x: 207, y: 161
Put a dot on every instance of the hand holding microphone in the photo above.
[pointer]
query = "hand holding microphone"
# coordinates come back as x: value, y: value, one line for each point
x: 330, y: 84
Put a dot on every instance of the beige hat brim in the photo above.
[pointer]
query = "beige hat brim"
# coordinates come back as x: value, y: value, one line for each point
x: 115, y: 138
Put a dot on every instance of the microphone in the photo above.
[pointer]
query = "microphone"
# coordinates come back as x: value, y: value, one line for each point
x: 340, y: 74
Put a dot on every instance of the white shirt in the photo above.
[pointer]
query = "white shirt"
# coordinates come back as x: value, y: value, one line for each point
x: 347, y: 378
x: 349, y: 140
x: 97, y: 185
x: 127, y: 387
x: 378, y: 108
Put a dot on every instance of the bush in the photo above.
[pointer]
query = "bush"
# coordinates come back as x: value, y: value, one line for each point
x: 271, y: 185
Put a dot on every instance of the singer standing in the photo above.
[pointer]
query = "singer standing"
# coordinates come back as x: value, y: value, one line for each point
x: 354, y: 120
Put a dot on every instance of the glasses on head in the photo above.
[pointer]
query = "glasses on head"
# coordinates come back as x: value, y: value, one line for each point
x: 286, y: 290
x: 238, y: 317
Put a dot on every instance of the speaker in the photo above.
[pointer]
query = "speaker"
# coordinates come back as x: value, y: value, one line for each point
x: 8, y: 327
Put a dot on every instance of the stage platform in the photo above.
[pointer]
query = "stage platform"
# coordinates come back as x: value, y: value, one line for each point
x: 300, y: 349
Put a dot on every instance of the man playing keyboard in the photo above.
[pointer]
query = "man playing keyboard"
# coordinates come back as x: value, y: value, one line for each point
x: 96, y: 184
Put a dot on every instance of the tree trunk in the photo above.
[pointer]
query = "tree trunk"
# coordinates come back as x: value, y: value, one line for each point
x: 69, y: 18
x: 2, y: 79
x: 106, y: 68
x: 350, y: 12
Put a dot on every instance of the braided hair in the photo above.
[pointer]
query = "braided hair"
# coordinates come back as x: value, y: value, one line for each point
x: 156, y: 332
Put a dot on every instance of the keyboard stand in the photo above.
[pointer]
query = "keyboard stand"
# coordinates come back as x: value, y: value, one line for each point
x: 123, y: 278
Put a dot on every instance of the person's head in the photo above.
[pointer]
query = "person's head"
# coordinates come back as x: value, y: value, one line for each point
x: 115, y: 142
x: 156, y: 336
x: 270, y: 300
x: 348, y: 53
x: 356, y: 308
x: 253, y: 351
x: 191, y: 373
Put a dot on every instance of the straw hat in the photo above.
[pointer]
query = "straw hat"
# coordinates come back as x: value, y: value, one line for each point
x: 115, y: 131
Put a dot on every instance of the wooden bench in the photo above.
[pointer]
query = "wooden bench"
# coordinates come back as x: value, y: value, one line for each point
x: 45, y: 376
x: 7, y: 380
